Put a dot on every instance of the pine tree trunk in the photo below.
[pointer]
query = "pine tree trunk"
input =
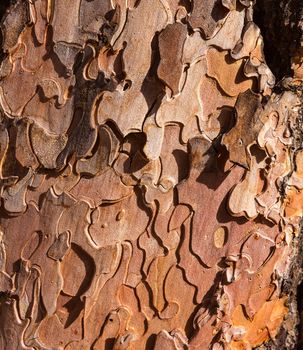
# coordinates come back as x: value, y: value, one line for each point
x: 151, y: 174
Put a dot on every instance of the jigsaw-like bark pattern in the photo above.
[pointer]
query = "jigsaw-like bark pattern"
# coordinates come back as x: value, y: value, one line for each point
x: 151, y: 180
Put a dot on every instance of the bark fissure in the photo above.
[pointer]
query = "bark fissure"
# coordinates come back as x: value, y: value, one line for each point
x: 281, y: 26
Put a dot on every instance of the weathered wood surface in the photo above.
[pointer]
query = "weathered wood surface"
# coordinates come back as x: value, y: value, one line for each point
x: 151, y: 178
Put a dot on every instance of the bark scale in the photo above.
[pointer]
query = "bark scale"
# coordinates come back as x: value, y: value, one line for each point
x: 151, y: 174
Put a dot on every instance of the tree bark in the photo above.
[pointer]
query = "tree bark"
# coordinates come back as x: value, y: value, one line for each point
x: 151, y: 174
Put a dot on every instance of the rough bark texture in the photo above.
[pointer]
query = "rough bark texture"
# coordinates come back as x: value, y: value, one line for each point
x: 151, y: 174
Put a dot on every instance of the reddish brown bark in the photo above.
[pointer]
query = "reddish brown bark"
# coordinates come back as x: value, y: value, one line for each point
x: 151, y: 176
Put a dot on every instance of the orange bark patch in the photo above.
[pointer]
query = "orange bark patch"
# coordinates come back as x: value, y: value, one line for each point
x: 262, y: 327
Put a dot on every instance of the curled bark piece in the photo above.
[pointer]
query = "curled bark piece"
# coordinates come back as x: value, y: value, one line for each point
x: 207, y: 16
x: 171, y: 42
x: 60, y: 246
x: 239, y: 138
x: 46, y: 147
x: 248, y: 42
x: 13, y: 24
x: 227, y: 72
